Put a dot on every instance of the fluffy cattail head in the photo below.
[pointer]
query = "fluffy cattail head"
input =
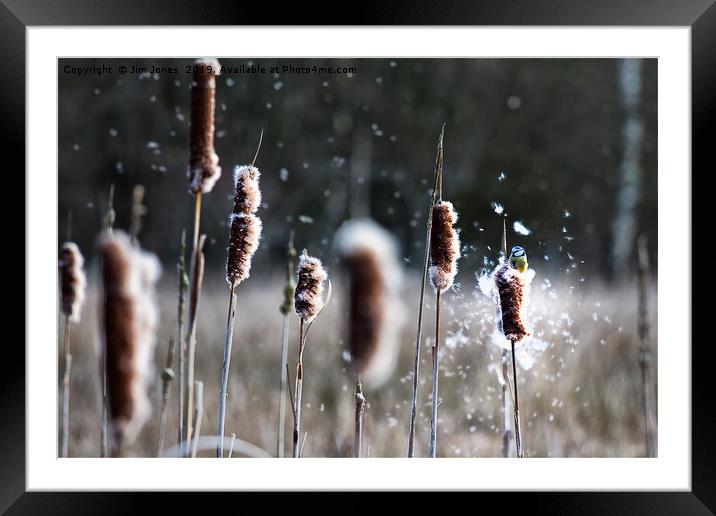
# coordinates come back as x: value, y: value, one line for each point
x: 244, y: 239
x: 245, y: 231
x: 308, y: 299
x: 369, y: 255
x: 247, y: 194
x: 510, y: 285
x: 72, y: 280
x: 444, y: 246
x: 204, y: 167
x: 130, y: 320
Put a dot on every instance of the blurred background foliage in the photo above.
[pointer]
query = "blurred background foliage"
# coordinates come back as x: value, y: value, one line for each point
x: 544, y: 138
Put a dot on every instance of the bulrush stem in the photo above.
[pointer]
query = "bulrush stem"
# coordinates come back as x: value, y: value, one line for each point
x: 285, y: 308
x: 298, y: 392
x: 104, y: 423
x: 436, y: 354
x: 518, y: 429
x: 193, y: 314
x: 197, y: 276
x: 198, y: 415
x: 167, y: 377
x: 225, y: 369
x: 426, y: 263
x: 282, y: 388
x: 66, y: 390
x: 506, y: 434
x: 168, y: 373
x: 197, y: 220
x: 183, y: 284
x: 360, y: 408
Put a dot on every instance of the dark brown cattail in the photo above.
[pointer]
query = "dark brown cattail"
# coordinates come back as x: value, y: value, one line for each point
x: 247, y: 194
x: 245, y: 231
x: 510, y: 285
x: 72, y: 280
x: 367, y: 307
x: 130, y: 320
x: 204, y: 167
x: 243, y: 242
x: 444, y: 246
x: 376, y: 313
x: 308, y: 298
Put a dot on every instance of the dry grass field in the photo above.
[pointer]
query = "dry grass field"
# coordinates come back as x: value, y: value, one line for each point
x: 581, y: 398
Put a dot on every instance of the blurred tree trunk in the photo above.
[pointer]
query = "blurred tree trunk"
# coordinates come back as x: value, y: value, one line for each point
x: 625, y: 223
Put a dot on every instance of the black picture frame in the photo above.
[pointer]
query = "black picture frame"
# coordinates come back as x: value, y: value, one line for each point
x: 17, y: 15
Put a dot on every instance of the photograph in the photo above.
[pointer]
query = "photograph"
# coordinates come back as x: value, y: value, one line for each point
x: 443, y: 257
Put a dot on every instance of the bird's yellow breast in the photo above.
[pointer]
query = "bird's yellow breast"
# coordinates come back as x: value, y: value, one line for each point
x: 519, y: 263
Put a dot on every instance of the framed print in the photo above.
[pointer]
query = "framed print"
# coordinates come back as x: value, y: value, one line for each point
x: 447, y: 256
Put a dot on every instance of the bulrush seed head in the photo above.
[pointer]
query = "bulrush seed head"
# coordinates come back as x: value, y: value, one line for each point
x: 308, y: 299
x: 244, y: 239
x: 376, y: 313
x: 72, y: 280
x: 245, y: 231
x: 247, y: 194
x: 130, y: 319
x: 204, y: 168
x: 444, y: 246
x: 510, y: 285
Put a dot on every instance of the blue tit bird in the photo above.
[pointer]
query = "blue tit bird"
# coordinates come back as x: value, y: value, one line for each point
x: 518, y: 258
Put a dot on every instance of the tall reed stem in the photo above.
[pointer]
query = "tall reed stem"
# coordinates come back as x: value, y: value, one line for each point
x: 191, y: 308
x: 197, y: 220
x: 436, y: 374
x: 644, y: 351
x: 192, y: 317
x: 167, y: 377
x: 183, y: 285
x: 426, y: 263
x: 285, y: 308
x: 197, y: 276
x: 282, y: 388
x: 225, y: 369
x: 66, y: 390
x: 506, y: 434
x: 104, y: 423
x: 518, y: 428
x: 298, y: 392
x: 198, y: 416
x: 360, y: 409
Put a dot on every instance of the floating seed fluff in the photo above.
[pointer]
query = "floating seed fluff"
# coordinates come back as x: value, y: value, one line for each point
x: 204, y: 167
x: 444, y: 246
x: 308, y: 299
x: 245, y: 231
x: 72, y: 280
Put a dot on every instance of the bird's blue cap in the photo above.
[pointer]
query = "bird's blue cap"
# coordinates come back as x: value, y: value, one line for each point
x: 518, y: 250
